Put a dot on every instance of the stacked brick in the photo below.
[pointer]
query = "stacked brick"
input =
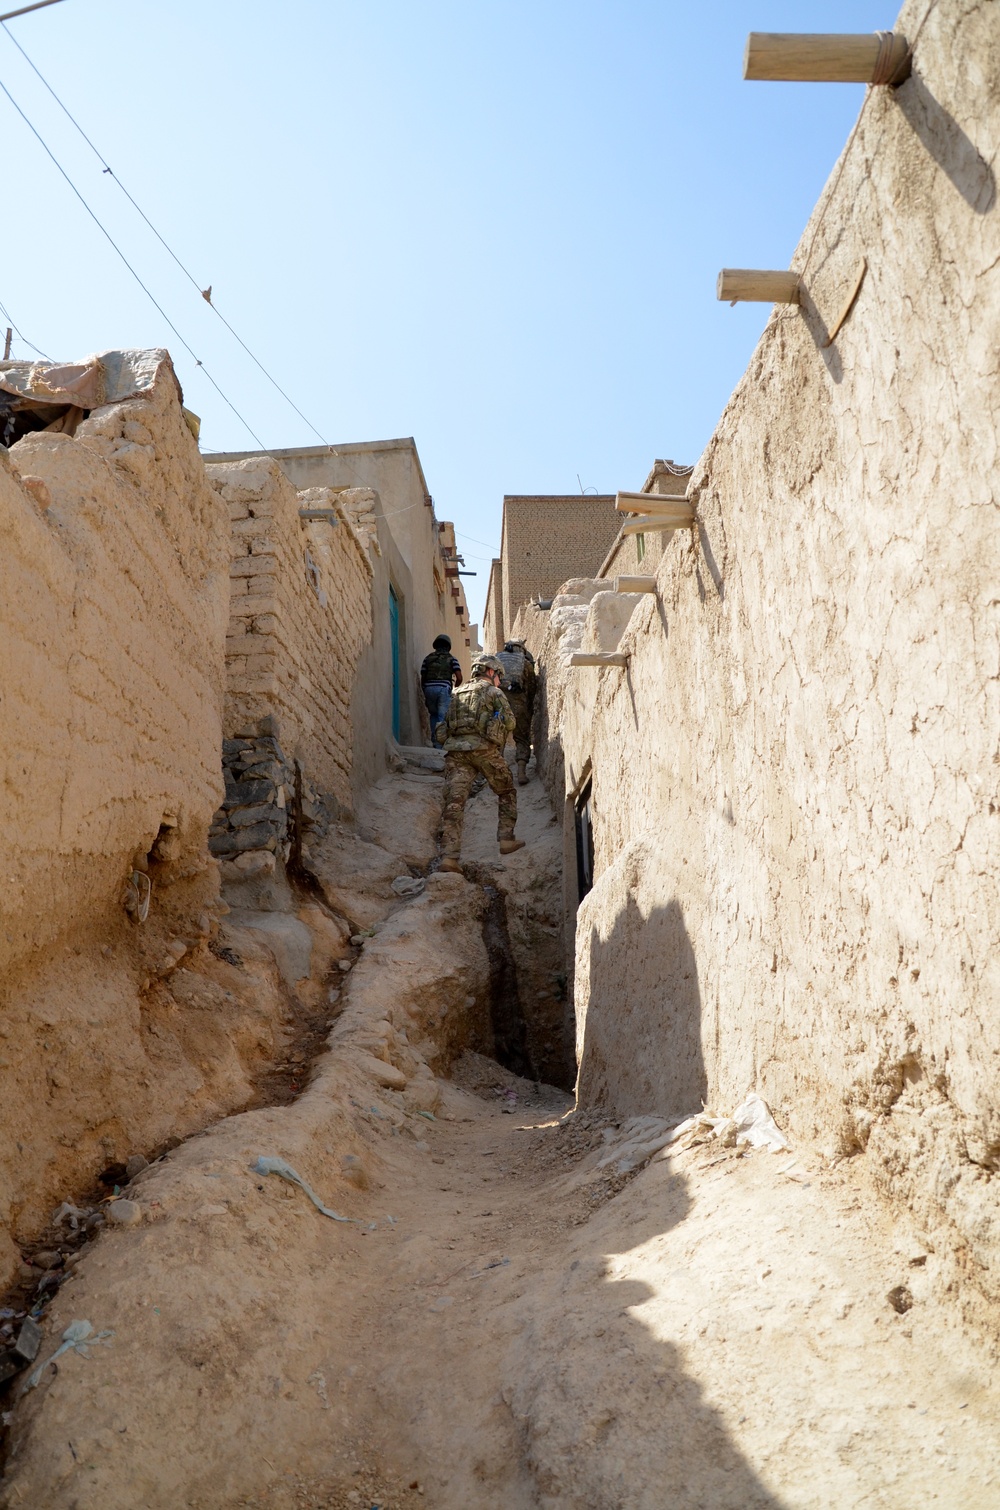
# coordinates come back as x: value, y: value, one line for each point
x: 300, y: 617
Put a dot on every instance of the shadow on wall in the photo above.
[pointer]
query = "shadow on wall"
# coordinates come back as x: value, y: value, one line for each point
x: 947, y: 144
x: 623, y: 1422
x: 638, y: 1002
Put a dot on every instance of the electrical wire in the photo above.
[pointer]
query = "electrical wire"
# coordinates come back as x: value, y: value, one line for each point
x: 106, y: 166
x: 162, y: 239
x: 22, y: 338
x: 148, y: 292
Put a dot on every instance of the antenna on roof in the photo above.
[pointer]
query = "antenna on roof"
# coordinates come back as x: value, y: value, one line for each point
x: 584, y: 490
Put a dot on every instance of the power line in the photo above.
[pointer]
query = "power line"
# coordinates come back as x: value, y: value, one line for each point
x: 205, y: 293
x: 22, y: 338
x: 150, y: 296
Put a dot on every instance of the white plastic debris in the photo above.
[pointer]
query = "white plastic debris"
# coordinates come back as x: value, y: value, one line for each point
x: 269, y: 1164
x: 408, y: 886
x: 755, y: 1126
x: 78, y: 1337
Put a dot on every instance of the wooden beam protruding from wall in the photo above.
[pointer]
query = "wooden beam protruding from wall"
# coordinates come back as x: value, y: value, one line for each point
x: 635, y: 584
x: 598, y: 658
x: 650, y: 524
x: 880, y: 57
x: 742, y: 285
x: 648, y: 503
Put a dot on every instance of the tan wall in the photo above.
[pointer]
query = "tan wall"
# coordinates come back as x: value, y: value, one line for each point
x: 493, y: 625
x: 409, y: 536
x: 796, y: 781
x: 295, y: 633
x: 549, y: 539
x: 113, y: 604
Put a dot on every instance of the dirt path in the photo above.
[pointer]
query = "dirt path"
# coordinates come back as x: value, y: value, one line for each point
x: 504, y: 1323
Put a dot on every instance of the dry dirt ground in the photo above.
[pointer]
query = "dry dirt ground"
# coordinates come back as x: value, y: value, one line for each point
x: 502, y: 1323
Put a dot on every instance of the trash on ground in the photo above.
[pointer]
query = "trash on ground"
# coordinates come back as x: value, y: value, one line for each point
x: 755, y: 1126
x: 78, y: 1337
x: 70, y: 1215
x: 269, y: 1164
x: 22, y: 1352
x: 408, y: 886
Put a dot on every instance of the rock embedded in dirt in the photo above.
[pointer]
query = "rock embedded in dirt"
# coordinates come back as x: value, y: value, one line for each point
x: 47, y: 1260
x: 135, y: 1165
x: 355, y: 1171
x: 125, y: 1213
x: 383, y: 1074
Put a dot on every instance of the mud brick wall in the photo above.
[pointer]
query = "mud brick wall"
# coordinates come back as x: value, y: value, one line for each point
x: 796, y: 788
x: 300, y: 616
x: 113, y: 609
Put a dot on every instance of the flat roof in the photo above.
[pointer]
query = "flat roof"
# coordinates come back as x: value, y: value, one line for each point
x: 349, y: 448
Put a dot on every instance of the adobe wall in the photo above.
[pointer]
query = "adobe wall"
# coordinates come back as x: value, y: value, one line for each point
x: 408, y: 560
x: 300, y: 615
x: 112, y: 621
x: 795, y: 781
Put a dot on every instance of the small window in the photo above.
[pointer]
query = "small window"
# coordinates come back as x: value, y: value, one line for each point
x: 640, y: 547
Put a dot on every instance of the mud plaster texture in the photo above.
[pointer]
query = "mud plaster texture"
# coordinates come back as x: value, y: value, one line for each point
x: 795, y: 781
x: 113, y: 615
x: 508, y: 1319
x: 300, y: 616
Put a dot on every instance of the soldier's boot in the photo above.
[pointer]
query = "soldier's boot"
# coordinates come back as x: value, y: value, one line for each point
x: 508, y: 846
x: 450, y: 863
x: 522, y: 773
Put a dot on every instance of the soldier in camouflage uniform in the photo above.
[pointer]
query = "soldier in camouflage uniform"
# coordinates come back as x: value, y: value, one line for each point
x: 474, y: 733
x: 519, y: 687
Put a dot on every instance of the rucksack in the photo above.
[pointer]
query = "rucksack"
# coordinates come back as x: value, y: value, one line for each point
x: 513, y: 663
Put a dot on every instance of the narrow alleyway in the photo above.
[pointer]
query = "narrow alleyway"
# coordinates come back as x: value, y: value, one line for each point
x: 513, y: 1317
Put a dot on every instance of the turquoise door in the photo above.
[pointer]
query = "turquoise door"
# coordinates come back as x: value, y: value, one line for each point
x: 394, y: 634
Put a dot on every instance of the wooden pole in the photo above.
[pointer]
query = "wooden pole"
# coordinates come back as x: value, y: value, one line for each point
x: 648, y: 524
x: 598, y: 658
x: 6, y: 344
x: 881, y: 57
x: 635, y: 584
x: 741, y: 285
x: 650, y: 502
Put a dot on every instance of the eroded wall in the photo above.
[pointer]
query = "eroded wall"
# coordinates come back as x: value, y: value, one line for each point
x: 795, y: 780
x: 112, y: 622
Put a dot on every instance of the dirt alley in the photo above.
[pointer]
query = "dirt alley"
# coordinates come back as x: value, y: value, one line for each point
x: 504, y: 1323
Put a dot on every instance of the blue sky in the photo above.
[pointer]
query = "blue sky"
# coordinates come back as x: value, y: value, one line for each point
x: 493, y: 226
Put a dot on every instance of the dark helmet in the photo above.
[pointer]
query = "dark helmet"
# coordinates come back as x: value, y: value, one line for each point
x: 443, y: 642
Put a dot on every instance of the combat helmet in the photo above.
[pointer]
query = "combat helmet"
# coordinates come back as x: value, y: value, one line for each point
x: 486, y: 663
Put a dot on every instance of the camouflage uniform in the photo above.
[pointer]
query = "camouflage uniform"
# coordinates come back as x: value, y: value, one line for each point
x: 470, y: 751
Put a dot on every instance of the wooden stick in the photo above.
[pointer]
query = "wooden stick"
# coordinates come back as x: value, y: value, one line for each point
x: 650, y: 523
x: 831, y: 58
x: 635, y: 584
x: 754, y: 285
x: 598, y: 658
x: 648, y: 503
x: 849, y: 303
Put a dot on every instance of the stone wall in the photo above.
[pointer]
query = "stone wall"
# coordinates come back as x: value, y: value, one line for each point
x: 300, y: 617
x: 795, y: 782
